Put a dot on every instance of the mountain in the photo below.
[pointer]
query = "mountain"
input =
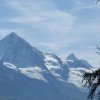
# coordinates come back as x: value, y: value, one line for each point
x: 72, y: 57
x: 56, y: 66
x: 26, y: 73
x: 14, y: 49
x: 17, y: 86
x: 76, y: 69
x: 74, y: 62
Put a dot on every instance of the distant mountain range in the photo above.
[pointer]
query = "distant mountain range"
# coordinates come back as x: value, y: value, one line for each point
x: 27, y: 73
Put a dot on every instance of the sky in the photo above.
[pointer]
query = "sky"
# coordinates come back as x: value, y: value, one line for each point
x: 58, y: 26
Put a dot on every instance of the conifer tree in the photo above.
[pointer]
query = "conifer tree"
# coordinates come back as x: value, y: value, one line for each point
x: 92, y: 80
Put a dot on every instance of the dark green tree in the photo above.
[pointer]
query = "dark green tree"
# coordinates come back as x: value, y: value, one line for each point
x: 92, y: 80
x: 98, y: 0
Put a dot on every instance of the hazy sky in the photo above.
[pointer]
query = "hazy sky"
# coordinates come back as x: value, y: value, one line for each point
x: 58, y: 26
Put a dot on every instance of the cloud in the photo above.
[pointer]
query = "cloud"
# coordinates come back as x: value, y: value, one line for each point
x: 52, y: 19
x: 40, y: 18
x: 56, y: 46
x: 80, y: 5
x: 4, y: 32
x: 48, y: 27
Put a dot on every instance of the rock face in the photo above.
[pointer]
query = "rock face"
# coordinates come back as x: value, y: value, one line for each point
x: 14, y: 49
x: 16, y: 86
x: 28, y: 74
x: 74, y: 62
x: 76, y: 69
x: 56, y: 66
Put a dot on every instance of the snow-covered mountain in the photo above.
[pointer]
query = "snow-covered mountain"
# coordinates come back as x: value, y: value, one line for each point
x: 74, y: 62
x: 76, y: 69
x: 56, y: 66
x: 29, y: 74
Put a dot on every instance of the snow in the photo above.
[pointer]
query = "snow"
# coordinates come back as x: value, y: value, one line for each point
x: 9, y: 65
x: 52, y: 64
x: 75, y: 76
x: 33, y: 72
x: 67, y: 61
x: 50, y: 57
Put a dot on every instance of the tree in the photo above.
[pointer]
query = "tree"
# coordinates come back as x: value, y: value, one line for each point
x: 98, y: 1
x: 92, y: 80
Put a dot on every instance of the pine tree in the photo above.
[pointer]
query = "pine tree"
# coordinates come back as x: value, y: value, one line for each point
x: 92, y: 80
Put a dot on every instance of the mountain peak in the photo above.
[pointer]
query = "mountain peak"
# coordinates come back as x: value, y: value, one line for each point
x: 14, y: 40
x: 12, y: 35
x: 15, y: 50
x: 71, y: 56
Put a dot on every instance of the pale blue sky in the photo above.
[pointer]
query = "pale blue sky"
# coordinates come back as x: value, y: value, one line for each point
x: 58, y: 26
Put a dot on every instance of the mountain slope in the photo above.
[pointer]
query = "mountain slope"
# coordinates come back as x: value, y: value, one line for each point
x: 76, y: 69
x: 74, y: 62
x: 15, y: 85
x: 28, y: 74
x: 13, y: 49
x: 56, y: 66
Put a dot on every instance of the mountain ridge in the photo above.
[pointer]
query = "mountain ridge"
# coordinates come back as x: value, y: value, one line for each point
x: 46, y: 76
x: 21, y: 52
